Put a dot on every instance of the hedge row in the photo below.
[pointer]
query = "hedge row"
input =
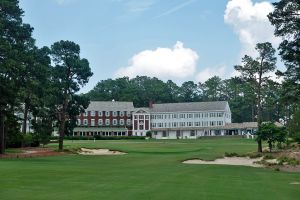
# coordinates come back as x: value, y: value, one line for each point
x: 98, y: 137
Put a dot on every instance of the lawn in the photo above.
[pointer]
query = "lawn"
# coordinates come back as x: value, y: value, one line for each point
x: 150, y: 170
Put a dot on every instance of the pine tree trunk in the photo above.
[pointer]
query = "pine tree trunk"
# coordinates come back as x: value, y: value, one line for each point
x: 270, y: 146
x: 259, y: 146
x: 2, y: 134
x: 24, y: 127
x: 259, y: 109
x: 62, y: 126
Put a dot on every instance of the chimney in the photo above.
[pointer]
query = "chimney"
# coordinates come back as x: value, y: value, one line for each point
x: 150, y: 104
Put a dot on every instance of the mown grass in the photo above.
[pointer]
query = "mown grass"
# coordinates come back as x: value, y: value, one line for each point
x: 151, y: 170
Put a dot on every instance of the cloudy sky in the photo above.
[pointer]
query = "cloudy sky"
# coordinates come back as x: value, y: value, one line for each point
x: 170, y: 39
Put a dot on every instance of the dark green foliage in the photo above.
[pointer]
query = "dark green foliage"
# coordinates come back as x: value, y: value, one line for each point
x: 296, y: 137
x: 15, y: 40
x: 18, y: 139
x: 231, y: 154
x: 212, y: 89
x: 294, y: 125
x: 288, y: 160
x: 149, y: 134
x: 270, y: 133
x: 70, y: 73
x: 98, y: 137
x: 285, y: 18
x: 253, y: 71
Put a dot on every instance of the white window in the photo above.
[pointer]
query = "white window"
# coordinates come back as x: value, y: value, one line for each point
x: 190, y: 123
x: 78, y: 122
x: 115, y: 113
x: 93, y: 122
x: 85, y: 113
x: 135, y: 116
x: 93, y: 113
x: 115, y: 122
x: 128, y: 122
x: 100, y: 113
x: 107, y: 122
x: 141, y: 117
x: 147, y: 117
x: 85, y: 122
x: 121, y: 122
x: 107, y: 113
x: 100, y: 122
x: 121, y: 113
x: 128, y: 113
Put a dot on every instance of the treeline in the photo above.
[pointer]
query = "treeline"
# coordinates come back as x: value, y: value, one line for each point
x: 142, y: 90
x: 40, y: 81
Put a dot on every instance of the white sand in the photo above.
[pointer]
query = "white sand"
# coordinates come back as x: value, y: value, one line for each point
x: 244, y: 161
x: 84, y: 151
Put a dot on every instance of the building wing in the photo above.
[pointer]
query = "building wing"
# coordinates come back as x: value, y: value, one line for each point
x: 191, y: 106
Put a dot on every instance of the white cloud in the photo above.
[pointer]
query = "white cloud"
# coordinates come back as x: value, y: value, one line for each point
x: 165, y: 63
x: 209, y: 72
x: 249, y: 21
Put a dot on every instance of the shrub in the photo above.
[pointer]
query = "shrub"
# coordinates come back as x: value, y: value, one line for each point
x: 268, y: 157
x: 149, y: 134
x: 27, y: 140
x: 254, y: 155
x: 231, y: 154
x: 287, y: 160
x: 296, y: 137
x: 98, y: 137
x: 14, y: 140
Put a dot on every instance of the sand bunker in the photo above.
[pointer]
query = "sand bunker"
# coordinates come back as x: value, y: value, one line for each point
x: 244, y: 161
x: 84, y: 151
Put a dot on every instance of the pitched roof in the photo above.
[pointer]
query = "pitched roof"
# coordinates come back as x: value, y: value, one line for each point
x: 110, y: 106
x: 246, y: 125
x: 190, y: 106
x: 147, y: 110
x: 243, y: 125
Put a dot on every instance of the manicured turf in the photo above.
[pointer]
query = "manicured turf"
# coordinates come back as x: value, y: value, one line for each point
x: 150, y: 170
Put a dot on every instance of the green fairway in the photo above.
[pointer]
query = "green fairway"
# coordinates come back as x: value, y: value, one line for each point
x: 150, y: 170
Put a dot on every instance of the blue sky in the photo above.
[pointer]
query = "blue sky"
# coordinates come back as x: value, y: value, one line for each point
x: 171, y: 39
